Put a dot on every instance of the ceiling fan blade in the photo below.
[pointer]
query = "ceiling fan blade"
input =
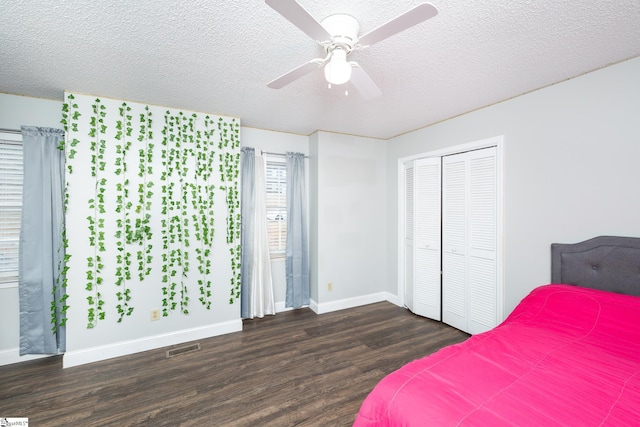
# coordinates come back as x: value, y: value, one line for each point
x: 363, y: 83
x: 294, y: 12
x: 412, y: 17
x: 296, y: 73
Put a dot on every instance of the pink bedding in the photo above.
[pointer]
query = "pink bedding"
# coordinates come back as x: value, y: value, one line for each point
x: 565, y: 356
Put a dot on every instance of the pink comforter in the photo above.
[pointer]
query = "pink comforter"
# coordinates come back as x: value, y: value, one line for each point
x: 565, y: 356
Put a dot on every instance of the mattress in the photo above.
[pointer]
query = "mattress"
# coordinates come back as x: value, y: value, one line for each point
x: 565, y: 356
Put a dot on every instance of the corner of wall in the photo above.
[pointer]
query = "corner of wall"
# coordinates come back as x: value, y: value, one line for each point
x: 313, y: 215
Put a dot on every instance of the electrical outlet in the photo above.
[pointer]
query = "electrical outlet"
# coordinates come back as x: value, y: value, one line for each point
x: 330, y: 286
x: 155, y: 314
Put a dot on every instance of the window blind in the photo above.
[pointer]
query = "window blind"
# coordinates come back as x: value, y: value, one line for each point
x: 276, y: 184
x: 10, y: 207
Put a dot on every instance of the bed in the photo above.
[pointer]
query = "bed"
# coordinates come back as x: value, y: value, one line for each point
x: 568, y: 354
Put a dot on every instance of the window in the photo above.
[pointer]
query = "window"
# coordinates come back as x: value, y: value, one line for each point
x: 277, y: 206
x: 10, y: 205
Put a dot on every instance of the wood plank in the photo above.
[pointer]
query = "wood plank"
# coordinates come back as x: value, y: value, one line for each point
x: 293, y: 369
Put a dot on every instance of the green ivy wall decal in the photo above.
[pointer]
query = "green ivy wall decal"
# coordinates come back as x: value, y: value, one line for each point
x: 112, y: 144
x: 96, y: 219
x: 229, y: 146
x: 188, y: 204
x: 70, y: 115
x: 179, y: 153
x: 171, y: 224
x: 122, y: 210
x: 143, y: 233
x: 137, y: 230
x: 203, y: 208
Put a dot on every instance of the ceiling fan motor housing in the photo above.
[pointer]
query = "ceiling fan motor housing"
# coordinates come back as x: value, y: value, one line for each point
x: 344, y: 30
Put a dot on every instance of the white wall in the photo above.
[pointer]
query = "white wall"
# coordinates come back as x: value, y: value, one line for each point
x: 22, y: 110
x: 571, y: 172
x: 18, y: 110
x: 90, y: 338
x: 571, y: 155
x: 348, y: 237
x: 313, y: 215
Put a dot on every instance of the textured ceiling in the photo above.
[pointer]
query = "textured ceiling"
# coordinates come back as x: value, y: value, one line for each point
x: 217, y: 56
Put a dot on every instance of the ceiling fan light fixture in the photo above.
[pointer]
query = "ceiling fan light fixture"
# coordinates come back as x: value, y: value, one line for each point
x: 338, y: 70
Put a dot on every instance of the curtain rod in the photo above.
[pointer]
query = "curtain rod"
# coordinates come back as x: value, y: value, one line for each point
x: 15, y: 131
x: 278, y: 154
x: 18, y: 131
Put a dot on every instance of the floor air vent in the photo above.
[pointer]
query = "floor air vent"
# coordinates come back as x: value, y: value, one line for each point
x: 183, y: 350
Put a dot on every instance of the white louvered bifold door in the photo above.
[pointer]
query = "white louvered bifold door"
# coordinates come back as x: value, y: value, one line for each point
x: 469, y: 300
x: 454, y: 241
x: 427, y: 241
x: 482, y: 246
x: 409, y: 230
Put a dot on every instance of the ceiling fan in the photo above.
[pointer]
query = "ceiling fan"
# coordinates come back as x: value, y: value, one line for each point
x: 339, y: 36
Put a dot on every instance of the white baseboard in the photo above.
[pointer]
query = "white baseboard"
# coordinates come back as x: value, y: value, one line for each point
x: 313, y: 305
x: 95, y: 354
x: 393, y: 299
x: 342, y: 304
x: 280, y: 306
x: 12, y: 355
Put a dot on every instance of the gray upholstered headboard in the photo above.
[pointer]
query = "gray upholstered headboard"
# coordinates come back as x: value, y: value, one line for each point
x: 607, y: 262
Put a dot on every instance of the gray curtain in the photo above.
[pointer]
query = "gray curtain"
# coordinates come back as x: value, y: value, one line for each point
x: 41, y: 253
x: 297, y: 249
x: 256, y: 285
x: 247, y: 207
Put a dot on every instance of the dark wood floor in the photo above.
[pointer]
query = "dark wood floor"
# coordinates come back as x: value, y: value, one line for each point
x: 293, y: 369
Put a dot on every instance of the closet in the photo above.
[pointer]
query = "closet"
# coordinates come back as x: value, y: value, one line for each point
x: 451, y: 238
x: 423, y: 246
